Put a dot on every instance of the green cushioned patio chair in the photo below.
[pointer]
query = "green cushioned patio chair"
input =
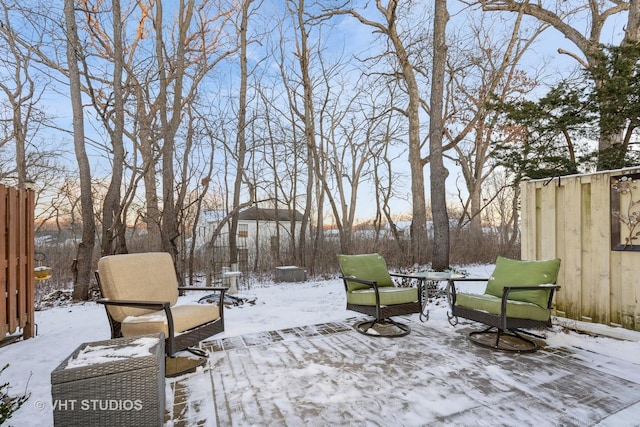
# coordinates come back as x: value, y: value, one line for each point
x: 371, y: 290
x: 519, y: 295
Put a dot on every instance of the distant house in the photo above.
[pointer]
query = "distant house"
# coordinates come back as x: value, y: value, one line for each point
x: 261, y: 231
x: 265, y: 226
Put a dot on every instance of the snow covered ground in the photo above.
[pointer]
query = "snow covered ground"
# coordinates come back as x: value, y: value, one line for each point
x: 275, y: 306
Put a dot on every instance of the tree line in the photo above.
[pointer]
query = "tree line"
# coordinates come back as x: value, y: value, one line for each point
x: 147, y: 113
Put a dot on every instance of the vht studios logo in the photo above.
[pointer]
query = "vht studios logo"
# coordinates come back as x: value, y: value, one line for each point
x: 97, y: 405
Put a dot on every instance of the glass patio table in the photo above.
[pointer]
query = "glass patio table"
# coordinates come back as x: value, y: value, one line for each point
x: 429, y: 286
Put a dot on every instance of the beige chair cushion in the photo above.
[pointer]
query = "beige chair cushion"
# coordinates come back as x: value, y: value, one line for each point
x: 146, y: 276
x: 185, y: 317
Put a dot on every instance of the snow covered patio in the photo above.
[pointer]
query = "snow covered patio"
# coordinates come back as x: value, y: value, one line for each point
x: 329, y: 374
x: 270, y: 367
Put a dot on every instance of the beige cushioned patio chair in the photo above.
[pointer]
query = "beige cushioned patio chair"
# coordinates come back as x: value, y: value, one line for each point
x: 371, y: 290
x: 519, y: 295
x: 140, y: 294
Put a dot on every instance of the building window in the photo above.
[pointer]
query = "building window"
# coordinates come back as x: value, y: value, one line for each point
x: 243, y: 230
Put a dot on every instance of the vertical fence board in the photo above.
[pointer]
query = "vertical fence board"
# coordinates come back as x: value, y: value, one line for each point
x: 600, y: 285
x: 12, y: 258
x: 21, y: 267
x: 562, y: 235
x: 527, y: 223
x: 630, y: 288
x: 4, y: 310
x: 571, y: 215
x: 29, y: 327
x: 548, y: 221
x: 618, y: 306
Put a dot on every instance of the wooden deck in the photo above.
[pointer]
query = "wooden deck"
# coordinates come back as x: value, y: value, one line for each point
x: 331, y: 375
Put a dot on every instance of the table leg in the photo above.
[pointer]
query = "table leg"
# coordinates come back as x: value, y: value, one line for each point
x: 424, y: 289
x: 453, y: 320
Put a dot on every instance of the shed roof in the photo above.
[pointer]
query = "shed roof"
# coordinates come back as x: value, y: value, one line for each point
x: 254, y: 213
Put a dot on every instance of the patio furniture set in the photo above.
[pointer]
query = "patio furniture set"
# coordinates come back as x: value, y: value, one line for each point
x: 121, y: 381
x: 518, y: 297
x: 118, y: 385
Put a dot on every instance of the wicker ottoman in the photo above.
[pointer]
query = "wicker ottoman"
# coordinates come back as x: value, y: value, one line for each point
x: 117, y: 382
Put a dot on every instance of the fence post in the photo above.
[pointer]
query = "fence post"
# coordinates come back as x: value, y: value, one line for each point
x: 29, y: 329
x: 4, y: 265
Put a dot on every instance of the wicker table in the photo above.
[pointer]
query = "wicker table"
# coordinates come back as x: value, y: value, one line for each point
x: 113, y: 382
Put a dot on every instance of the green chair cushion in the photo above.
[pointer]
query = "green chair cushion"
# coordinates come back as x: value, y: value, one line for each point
x: 388, y: 296
x: 510, y: 272
x: 493, y: 304
x: 364, y: 266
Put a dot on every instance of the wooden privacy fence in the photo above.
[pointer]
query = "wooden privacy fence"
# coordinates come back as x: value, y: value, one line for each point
x: 591, y: 222
x: 16, y: 255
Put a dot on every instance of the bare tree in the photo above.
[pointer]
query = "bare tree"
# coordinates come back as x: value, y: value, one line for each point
x: 390, y: 137
x: 20, y: 92
x: 356, y: 136
x: 349, y: 158
x: 487, y: 71
x: 306, y: 114
x: 241, y: 143
x: 436, y: 130
x: 25, y: 154
x: 109, y: 105
x: 85, y: 248
x: 145, y: 99
x: 388, y: 27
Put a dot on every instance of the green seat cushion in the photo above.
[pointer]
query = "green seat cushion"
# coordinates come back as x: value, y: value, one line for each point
x: 510, y: 272
x: 388, y: 296
x: 493, y: 304
x: 365, y: 266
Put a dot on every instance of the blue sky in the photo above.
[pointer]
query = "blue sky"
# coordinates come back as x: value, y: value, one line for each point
x: 347, y: 37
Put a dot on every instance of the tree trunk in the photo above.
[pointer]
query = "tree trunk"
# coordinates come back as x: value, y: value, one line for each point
x: 241, y: 143
x: 419, y: 239
x: 438, y: 171
x: 113, y: 238
x: 85, y: 248
x: 303, y: 55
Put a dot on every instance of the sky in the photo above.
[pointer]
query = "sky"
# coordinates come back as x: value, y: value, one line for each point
x: 350, y: 37
x: 274, y: 306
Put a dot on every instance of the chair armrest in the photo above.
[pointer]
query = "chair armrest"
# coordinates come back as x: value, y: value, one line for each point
x: 507, y: 289
x: 358, y: 280
x: 407, y: 280
x: 200, y: 288
x: 544, y: 287
x: 151, y: 305
x: 371, y: 283
x: 405, y: 276
x: 157, y: 305
x: 450, y: 289
x: 220, y: 289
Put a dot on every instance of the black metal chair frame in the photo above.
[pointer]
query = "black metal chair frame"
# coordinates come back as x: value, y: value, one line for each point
x: 173, y: 343
x: 382, y: 313
x: 499, y: 324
